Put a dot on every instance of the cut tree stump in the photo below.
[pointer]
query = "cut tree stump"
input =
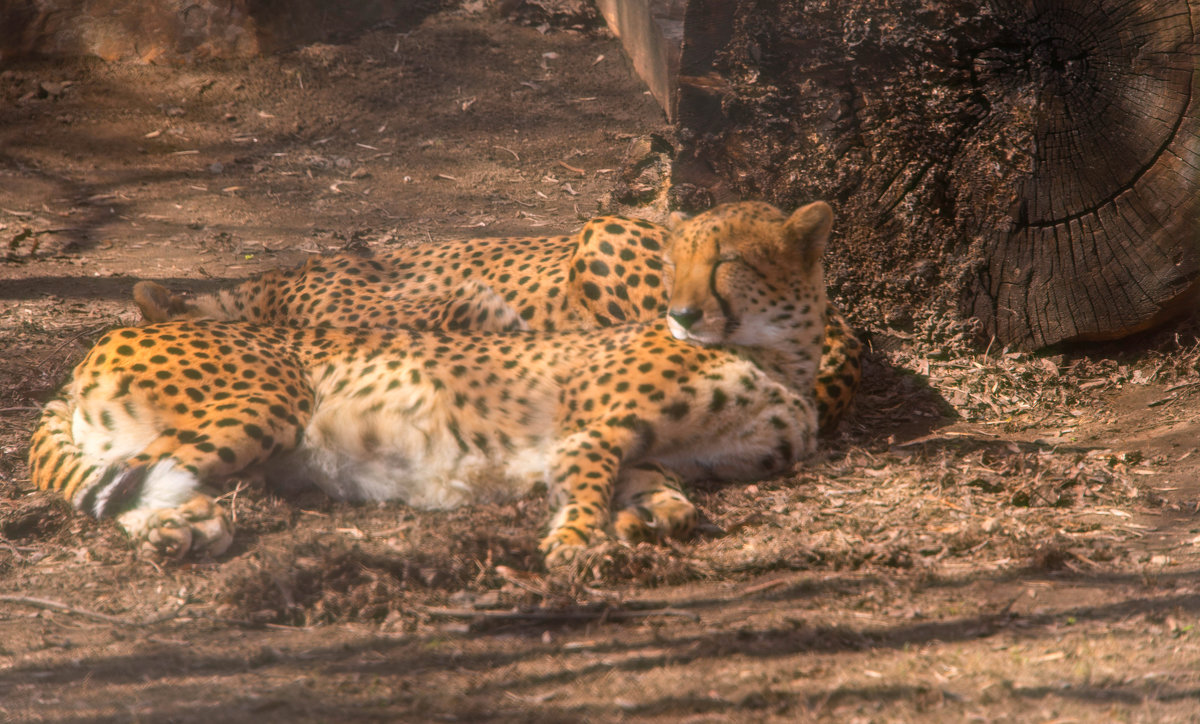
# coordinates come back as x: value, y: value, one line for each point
x: 1031, y: 163
x: 651, y: 32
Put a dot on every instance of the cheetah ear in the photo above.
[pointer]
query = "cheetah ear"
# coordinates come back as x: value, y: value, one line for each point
x: 675, y: 220
x: 157, y: 302
x: 807, y: 231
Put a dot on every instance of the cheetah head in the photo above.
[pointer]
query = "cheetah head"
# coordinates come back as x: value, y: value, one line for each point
x: 747, y: 274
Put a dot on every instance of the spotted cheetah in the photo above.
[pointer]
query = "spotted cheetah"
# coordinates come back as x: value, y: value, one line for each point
x: 610, y: 272
x: 611, y: 421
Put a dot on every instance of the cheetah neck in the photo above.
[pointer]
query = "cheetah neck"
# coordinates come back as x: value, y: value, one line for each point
x: 793, y: 365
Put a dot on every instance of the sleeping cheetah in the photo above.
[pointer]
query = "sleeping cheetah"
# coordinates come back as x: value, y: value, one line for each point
x: 610, y: 272
x: 611, y: 420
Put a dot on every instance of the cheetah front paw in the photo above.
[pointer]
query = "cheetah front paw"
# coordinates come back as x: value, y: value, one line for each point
x: 199, y: 528
x: 562, y: 547
x: 673, y: 517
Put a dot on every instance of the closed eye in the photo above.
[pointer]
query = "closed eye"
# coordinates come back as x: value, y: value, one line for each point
x: 736, y: 259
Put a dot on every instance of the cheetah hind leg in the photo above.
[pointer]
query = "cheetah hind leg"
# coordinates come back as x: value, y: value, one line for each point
x: 161, y: 525
x: 651, y: 507
x: 158, y: 496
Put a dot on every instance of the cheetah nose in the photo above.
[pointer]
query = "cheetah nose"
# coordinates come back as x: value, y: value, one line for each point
x: 686, y: 317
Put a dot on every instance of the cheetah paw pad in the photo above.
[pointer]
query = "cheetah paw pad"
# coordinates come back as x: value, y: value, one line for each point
x: 198, y: 528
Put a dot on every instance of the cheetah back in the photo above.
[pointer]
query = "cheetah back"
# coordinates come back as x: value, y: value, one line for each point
x: 610, y: 272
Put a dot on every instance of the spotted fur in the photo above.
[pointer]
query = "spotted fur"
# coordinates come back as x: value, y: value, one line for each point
x: 612, y: 421
x: 610, y: 272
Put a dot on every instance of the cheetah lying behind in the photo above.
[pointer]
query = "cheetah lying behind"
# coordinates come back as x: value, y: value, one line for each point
x: 609, y: 420
x: 610, y: 272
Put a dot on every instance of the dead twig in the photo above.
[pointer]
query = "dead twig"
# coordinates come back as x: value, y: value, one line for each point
x: 52, y: 605
x: 246, y: 623
x: 765, y: 586
x: 607, y: 614
x: 17, y: 550
x: 87, y: 331
x: 572, y: 169
x: 531, y: 582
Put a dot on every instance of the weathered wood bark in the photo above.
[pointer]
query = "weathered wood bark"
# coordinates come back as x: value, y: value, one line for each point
x: 1035, y: 161
x: 651, y: 32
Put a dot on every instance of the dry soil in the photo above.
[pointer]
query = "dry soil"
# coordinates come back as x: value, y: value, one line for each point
x: 989, y: 537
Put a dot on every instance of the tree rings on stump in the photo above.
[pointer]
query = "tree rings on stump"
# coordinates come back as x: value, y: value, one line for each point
x: 1105, y: 227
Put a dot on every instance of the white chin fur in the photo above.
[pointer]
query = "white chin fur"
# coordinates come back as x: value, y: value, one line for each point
x: 684, y: 335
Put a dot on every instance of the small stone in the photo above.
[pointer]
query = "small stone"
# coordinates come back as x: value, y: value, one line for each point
x: 488, y: 600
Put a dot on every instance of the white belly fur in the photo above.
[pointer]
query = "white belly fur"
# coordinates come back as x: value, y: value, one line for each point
x: 402, y: 446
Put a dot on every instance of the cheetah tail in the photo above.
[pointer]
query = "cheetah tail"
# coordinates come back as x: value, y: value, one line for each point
x: 56, y: 463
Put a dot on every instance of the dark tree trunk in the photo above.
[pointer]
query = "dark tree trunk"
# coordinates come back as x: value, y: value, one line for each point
x: 1036, y: 163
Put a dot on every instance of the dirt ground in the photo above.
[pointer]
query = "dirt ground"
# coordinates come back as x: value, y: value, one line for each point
x: 990, y: 537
